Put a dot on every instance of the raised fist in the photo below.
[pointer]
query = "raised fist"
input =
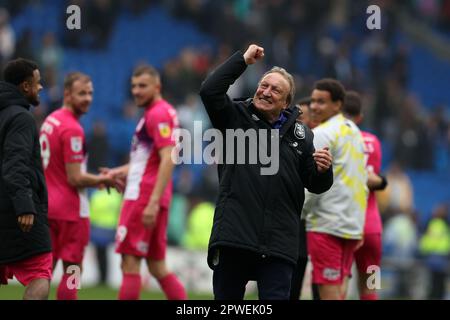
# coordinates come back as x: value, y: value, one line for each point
x: 253, y: 54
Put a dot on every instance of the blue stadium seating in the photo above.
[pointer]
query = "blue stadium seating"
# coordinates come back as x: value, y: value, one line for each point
x: 152, y: 37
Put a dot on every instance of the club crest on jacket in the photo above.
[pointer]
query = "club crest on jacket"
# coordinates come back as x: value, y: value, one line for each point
x: 299, y: 131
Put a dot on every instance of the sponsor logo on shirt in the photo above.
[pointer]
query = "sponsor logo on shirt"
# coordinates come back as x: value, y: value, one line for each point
x: 164, y: 129
x: 76, y: 144
x: 142, y: 247
x: 331, y: 274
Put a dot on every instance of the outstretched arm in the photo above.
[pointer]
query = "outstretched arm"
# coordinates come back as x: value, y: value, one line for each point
x: 213, y: 91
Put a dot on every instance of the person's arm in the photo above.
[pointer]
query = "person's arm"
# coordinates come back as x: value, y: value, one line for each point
x: 165, y: 170
x: 376, y: 182
x: 73, y: 147
x: 16, y: 168
x: 78, y: 179
x: 119, y: 174
x: 121, y: 171
x: 213, y: 90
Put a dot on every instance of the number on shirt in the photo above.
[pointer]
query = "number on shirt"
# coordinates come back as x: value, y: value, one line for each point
x: 45, y: 150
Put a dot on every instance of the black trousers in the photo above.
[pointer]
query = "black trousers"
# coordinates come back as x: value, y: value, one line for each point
x: 235, y: 267
x: 299, y: 271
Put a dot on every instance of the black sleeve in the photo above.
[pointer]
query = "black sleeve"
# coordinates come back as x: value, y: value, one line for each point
x: 313, y: 180
x: 383, y: 184
x: 17, y: 154
x: 213, y: 91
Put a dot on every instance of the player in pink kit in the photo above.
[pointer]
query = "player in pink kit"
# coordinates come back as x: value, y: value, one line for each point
x: 143, y: 220
x: 64, y: 158
x: 369, y: 254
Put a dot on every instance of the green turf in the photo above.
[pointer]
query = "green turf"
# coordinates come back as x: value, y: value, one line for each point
x: 15, y: 292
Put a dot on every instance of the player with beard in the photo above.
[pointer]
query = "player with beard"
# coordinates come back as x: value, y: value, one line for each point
x: 25, y: 250
x: 143, y: 220
x: 64, y: 157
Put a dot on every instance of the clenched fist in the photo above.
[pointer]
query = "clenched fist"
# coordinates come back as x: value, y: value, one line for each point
x: 323, y: 159
x: 253, y: 54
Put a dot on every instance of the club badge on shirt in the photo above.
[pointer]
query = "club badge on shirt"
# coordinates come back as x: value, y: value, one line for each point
x: 164, y: 129
x: 76, y: 144
x: 299, y: 131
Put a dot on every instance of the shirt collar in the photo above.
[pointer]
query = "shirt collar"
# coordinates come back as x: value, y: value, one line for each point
x: 281, y: 120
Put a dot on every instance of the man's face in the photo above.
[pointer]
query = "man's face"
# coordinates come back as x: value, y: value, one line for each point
x: 322, y: 107
x: 271, y: 94
x: 144, y: 89
x: 305, y: 116
x: 304, y: 113
x: 32, y: 87
x: 79, y: 96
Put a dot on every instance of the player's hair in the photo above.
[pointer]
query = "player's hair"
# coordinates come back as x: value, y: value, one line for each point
x: 19, y: 70
x: 334, y: 87
x: 288, y: 77
x: 352, y: 104
x: 146, y: 69
x: 71, y: 77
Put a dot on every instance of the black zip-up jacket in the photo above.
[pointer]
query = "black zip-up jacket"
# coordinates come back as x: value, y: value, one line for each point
x: 22, y: 181
x: 258, y: 212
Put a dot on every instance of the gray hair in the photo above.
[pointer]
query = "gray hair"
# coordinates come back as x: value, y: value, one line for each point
x: 288, y: 77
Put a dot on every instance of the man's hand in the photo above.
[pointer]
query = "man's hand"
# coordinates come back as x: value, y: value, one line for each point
x: 26, y: 222
x: 323, y: 159
x: 118, y: 177
x: 150, y: 213
x: 253, y: 54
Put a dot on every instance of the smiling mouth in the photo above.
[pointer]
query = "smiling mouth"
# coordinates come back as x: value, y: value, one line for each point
x: 266, y: 100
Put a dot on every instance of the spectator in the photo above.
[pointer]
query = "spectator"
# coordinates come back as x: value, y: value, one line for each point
x: 435, y: 248
x: 7, y: 37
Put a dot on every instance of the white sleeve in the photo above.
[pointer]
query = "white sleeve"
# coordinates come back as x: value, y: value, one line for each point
x: 321, y: 138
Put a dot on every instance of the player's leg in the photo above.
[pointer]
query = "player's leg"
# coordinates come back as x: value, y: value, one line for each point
x: 169, y: 282
x: 368, y: 255
x: 131, y: 243
x: 35, y: 274
x: 38, y: 289
x: 330, y: 291
x: 70, y: 281
x: 348, y: 253
x: 364, y: 292
x: 344, y: 288
x: 130, y: 288
x: 326, y: 257
x: 54, y: 237
x: 72, y: 247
